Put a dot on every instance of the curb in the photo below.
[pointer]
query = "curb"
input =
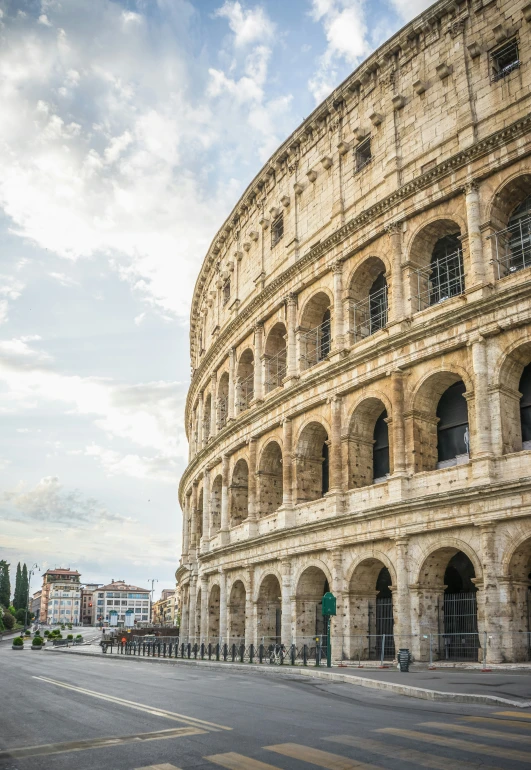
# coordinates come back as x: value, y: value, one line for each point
x: 373, y: 684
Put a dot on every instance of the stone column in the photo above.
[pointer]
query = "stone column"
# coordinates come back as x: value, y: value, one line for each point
x: 193, y: 531
x: 252, y: 512
x: 291, y: 334
x: 285, y: 571
x: 213, y: 403
x: 398, y: 425
x: 258, y: 383
x: 396, y: 310
x: 199, y: 427
x: 206, y: 511
x: 222, y: 605
x: 335, y: 467
x: 337, y: 630
x: 475, y: 244
x: 224, y: 493
x: 339, y: 321
x: 192, y: 605
x: 232, y: 383
x: 183, y: 628
x: 204, y: 608
x: 186, y: 527
x: 250, y: 625
x: 489, y: 596
x: 482, y: 443
x: 287, y: 463
x: 401, y: 596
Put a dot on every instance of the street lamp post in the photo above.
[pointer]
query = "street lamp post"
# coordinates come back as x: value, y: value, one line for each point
x: 30, y: 573
x: 152, y: 581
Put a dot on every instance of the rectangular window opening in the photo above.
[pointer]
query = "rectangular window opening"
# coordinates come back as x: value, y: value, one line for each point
x: 363, y: 154
x: 504, y: 60
x: 277, y: 230
x: 226, y: 291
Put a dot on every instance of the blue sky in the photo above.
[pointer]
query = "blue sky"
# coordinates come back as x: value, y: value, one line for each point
x: 128, y: 131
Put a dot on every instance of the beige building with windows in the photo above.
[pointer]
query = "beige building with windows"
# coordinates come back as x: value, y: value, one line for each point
x: 359, y: 415
x: 119, y: 597
x: 60, y: 596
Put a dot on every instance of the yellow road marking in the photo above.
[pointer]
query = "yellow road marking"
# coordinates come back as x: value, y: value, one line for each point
x: 165, y: 766
x: 499, y: 722
x: 477, y: 731
x: 521, y: 714
x: 407, y: 755
x: 457, y: 743
x: 319, y: 758
x: 238, y: 762
x: 96, y: 743
x: 137, y: 706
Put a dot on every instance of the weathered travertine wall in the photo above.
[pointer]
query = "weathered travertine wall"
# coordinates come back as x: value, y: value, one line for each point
x: 323, y: 320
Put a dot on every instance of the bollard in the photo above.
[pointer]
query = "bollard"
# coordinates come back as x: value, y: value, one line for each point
x: 164, y: 650
x: 210, y: 650
x: 143, y: 649
x: 202, y: 651
x: 251, y: 653
x: 189, y: 650
x: 317, y: 652
x: 170, y: 649
x: 304, y: 654
x: 225, y: 652
x: 233, y: 652
x: 383, y: 652
x: 242, y: 652
x: 293, y: 654
x: 217, y: 651
x: 261, y: 653
x: 182, y: 650
x: 196, y: 650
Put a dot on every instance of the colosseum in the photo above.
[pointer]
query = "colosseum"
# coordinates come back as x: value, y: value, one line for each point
x: 359, y: 414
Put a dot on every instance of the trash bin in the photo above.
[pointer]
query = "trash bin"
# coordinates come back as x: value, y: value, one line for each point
x: 404, y: 659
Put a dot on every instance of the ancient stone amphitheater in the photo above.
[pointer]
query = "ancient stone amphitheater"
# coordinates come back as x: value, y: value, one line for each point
x: 359, y: 414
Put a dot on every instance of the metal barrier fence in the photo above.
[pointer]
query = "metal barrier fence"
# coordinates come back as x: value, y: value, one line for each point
x: 442, y: 279
x: 315, y: 345
x: 513, y: 247
x: 371, y: 315
x: 380, y: 649
x: 275, y: 370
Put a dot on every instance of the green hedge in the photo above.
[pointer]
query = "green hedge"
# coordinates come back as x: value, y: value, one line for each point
x: 18, y: 641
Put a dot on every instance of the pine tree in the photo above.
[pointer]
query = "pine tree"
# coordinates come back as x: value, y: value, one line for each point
x: 5, y: 584
x: 24, y: 587
x: 18, y: 587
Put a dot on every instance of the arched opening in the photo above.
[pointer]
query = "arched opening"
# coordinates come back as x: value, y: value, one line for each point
x: 368, y: 299
x: 223, y: 400
x: 368, y: 444
x: 448, y: 605
x: 439, y: 426
x: 315, y: 338
x: 275, y: 357
x: 197, y: 618
x: 453, y: 437
x: 215, y: 505
x: 239, y: 493
x: 270, y: 487
x: 207, y: 418
x: 312, y: 586
x: 213, y: 614
x: 525, y: 406
x: 269, y: 611
x: 371, y: 612
x: 236, y: 610
x: 245, y: 380
x: 511, y: 219
x: 438, y: 253
x: 312, y: 463
x: 199, y: 516
x: 519, y: 597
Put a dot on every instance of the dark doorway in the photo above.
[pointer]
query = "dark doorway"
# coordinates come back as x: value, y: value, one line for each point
x: 452, y: 428
x: 380, y: 450
x: 460, y: 621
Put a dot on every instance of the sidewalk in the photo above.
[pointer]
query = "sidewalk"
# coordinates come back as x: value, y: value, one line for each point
x: 507, y: 688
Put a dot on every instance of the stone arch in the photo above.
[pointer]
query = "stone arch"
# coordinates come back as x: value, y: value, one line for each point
x: 364, y: 447
x: 315, y: 329
x: 517, y: 586
x: 312, y: 462
x: 245, y: 380
x: 368, y: 300
x: 509, y: 194
x: 312, y: 584
x: 223, y: 400
x: 239, y: 493
x: 437, y: 252
x: 270, y: 482
x: 510, y: 372
x: 214, y: 600
x: 423, y: 429
x: 371, y: 610
x: 236, y: 612
x: 275, y: 357
x: 269, y: 609
x: 215, y: 505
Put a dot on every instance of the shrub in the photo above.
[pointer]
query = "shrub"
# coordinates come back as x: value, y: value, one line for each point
x: 37, y: 641
x: 27, y: 632
x: 18, y: 641
x: 46, y: 633
x: 70, y: 636
x: 20, y: 615
x: 78, y: 636
x: 58, y: 636
x: 37, y: 632
x: 9, y: 620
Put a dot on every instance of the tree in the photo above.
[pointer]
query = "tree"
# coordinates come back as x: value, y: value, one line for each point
x: 24, y: 587
x: 17, y: 594
x: 9, y: 620
x: 5, y: 584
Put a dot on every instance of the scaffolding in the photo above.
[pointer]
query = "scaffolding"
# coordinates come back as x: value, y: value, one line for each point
x: 275, y: 370
x: 315, y: 345
x: 370, y: 315
x: 245, y: 392
x: 513, y: 247
x: 442, y: 279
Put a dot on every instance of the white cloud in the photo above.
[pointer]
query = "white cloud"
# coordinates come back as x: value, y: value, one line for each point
x: 408, y: 9
x: 161, y: 467
x: 63, y: 279
x: 248, y: 26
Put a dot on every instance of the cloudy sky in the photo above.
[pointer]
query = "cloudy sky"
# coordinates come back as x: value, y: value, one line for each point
x: 127, y: 132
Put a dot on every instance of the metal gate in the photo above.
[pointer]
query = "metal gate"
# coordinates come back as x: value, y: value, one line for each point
x: 460, y: 619
x: 384, y: 625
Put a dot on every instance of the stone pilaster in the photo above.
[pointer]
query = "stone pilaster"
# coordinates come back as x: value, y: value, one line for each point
x: 286, y: 631
x: 339, y: 320
x: 186, y: 527
x: 287, y: 463
x: 482, y: 446
x: 206, y: 511
x: 250, y: 620
x: 224, y: 530
x: 489, y: 595
x: 398, y: 424
x: 401, y: 596
x: 252, y: 498
x: 291, y: 320
x: 194, y: 539
x: 232, y: 384
x: 396, y: 306
x: 204, y: 608
x: 199, y: 426
x: 475, y: 244
x: 223, y: 605
x: 338, y: 629
x: 335, y: 466
x: 258, y: 366
x: 193, y: 606
x: 213, y: 402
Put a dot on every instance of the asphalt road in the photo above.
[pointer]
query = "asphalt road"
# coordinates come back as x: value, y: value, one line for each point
x: 74, y: 713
